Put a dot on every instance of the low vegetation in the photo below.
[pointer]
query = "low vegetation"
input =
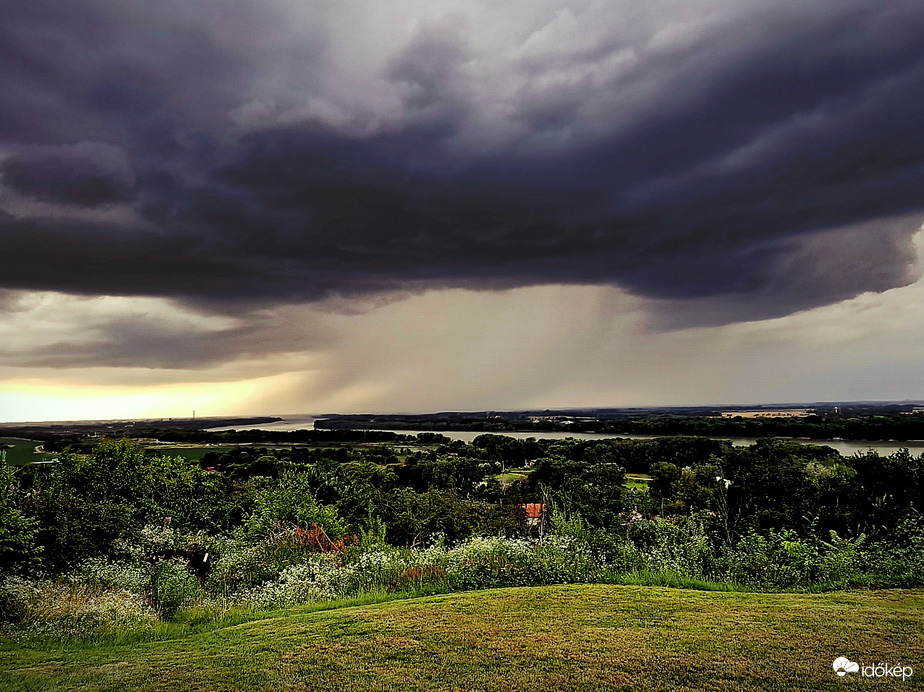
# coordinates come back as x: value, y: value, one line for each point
x: 121, y: 543
x: 584, y: 637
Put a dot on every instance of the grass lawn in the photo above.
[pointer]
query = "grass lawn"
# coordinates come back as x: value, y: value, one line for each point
x: 23, y: 451
x: 511, y: 476
x: 593, y: 637
x: 638, y: 481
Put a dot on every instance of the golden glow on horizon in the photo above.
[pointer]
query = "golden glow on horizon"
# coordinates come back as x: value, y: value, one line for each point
x: 41, y: 400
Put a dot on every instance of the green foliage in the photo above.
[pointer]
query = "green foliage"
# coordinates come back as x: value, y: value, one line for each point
x: 290, y: 500
x: 105, y: 574
x: 19, y: 548
x: 240, y: 565
x: 17, y: 596
x: 415, y: 518
x: 320, y: 578
x: 840, y: 560
x: 173, y: 586
x: 86, y: 502
x: 372, y: 536
x: 886, y: 487
x: 593, y: 489
x: 772, y: 516
x: 73, y: 528
x: 481, y: 563
x: 665, y: 478
x: 458, y: 474
x: 680, y: 545
x: 899, y: 561
x: 784, y: 560
x: 66, y: 611
x: 779, y: 559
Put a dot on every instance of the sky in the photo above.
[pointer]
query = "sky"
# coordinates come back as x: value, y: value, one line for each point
x: 241, y: 207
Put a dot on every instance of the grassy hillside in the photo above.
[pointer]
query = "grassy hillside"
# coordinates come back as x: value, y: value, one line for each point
x: 564, y: 637
x: 21, y: 451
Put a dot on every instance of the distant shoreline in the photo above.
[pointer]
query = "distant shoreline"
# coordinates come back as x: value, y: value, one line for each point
x: 117, y: 427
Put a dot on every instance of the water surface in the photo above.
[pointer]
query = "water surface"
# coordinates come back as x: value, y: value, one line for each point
x: 844, y: 447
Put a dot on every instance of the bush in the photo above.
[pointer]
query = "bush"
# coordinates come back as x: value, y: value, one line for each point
x: 679, y: 545
x: 781, y: 559
x: 69, y: 611
x: 111, y: 575
x: 17, y: 596
x: 240, y: 566
x: 173, y: 586
x: 18, y: 532
x: 319, y: 578
x: 899, y: 560
x: 839, y: 562
x: 291, y: 500
x: 481, y: 563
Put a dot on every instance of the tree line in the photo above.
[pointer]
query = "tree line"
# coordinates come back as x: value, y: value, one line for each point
x: 54, y: 516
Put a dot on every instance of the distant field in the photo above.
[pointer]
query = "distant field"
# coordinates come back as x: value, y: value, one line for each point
x: 23, y: 451
x: 633, y: 480
x: 638, y: 480
x: 511, y: 476
x: 560, y: 638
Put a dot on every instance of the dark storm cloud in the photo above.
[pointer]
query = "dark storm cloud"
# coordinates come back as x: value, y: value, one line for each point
x: 735, y: 159
x: 140, y: 344
x: 88, y: 174
x: 70, y: 332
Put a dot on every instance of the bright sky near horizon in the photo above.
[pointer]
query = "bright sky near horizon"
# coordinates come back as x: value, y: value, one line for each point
x: 246, y: 208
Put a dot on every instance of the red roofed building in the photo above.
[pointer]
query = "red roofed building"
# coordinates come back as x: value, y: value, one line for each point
x: 534, y: 513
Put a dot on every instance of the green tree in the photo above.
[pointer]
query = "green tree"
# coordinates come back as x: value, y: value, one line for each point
x: 85, y: 502
x: 593, y: 490
x: 414, y: 518
x: 770, y: 484
x: 19, y: 549
x: 291, y: 500
x: 665, y: 479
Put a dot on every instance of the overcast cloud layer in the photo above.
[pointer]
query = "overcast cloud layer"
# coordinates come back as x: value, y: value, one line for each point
x: 234, y: 163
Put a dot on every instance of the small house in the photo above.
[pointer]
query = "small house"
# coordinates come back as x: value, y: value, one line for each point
x: 535, y: 511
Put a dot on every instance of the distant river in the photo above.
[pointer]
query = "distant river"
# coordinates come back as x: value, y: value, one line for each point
x: 287, y: 424
x: 845, y: 447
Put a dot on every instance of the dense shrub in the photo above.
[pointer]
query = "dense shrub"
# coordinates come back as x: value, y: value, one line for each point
x: 778, y: 559
x: 120, y: 553
x: 320, y: 577
x: 17, y: 596
x: 111, y: 575
x: 290, y: 500
x: 173, y: 586
x: 19, y: 548
x: 481, y: 563
x: 679, y: 545
x: 79, y: 611
x: 899, y: 560
x: 240, y: 566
